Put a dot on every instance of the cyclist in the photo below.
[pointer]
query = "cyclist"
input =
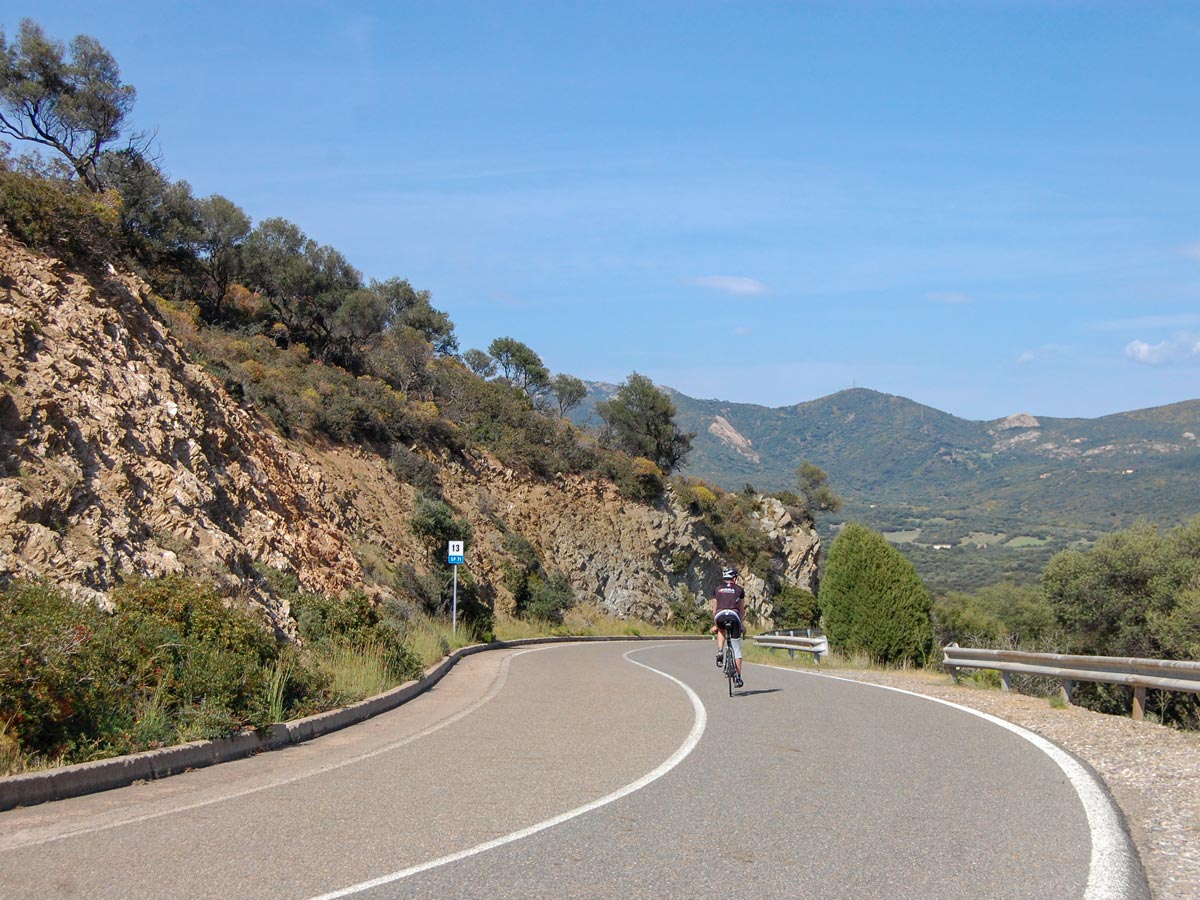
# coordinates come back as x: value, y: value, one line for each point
x: 729, y: 611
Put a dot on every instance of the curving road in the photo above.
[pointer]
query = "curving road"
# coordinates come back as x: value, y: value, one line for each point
x: 603, y: 770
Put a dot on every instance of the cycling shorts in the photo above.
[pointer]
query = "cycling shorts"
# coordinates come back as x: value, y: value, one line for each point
x: 728, y: 618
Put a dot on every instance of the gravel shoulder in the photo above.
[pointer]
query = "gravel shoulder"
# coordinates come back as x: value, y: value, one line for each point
x: 1153, y: 772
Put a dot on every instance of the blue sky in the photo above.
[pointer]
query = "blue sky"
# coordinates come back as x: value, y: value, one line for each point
x: 987, y: 207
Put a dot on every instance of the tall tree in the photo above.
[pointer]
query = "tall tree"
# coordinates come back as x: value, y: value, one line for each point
x: 872, y: 600
x: 72, y: 102
x: 222, y: 227
x: 408, y: 307
x: 479, y: 363
x: 568, y: 392
x: 814, y: 486
x: 304, y: 282
x: 640, y: 419
x: 159, y: 217
x: 520, y: 366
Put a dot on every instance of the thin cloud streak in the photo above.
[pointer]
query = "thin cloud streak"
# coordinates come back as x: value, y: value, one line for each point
x: 731, y: 284
x: 1183, y: 320
x: 1038, y: 353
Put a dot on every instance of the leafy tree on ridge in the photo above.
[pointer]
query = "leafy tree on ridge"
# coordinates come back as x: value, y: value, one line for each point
x: 521, y: 366
x: 72, y: 102
x: 640, y: 420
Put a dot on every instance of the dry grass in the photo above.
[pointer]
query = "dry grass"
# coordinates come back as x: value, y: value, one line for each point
x: 356, y: 672
x: 432, y: 639
x: 584, y: 619
x: 830, y: 661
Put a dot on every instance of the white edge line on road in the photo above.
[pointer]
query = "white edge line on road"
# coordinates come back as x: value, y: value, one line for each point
x: 689, y: 744
x: 1114, y: 865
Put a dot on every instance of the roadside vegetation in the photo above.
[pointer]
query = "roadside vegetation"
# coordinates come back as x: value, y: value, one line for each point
x: 1134, y: 593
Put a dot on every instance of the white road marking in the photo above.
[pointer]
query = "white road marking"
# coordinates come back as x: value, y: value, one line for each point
x: 1114, y: 866
x: 501, y: 678
x: 698, y: 725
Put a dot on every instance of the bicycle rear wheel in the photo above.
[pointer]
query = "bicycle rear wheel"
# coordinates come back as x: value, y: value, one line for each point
x: 730, y: 663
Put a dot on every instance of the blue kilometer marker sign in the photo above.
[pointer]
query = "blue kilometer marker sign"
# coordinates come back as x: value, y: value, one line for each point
x: 454, y: 556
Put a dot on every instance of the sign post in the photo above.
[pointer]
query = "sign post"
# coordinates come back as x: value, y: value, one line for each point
x: 454, y: 556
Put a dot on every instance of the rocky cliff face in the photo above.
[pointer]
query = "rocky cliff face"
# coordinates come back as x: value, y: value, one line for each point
x: 120, y: 456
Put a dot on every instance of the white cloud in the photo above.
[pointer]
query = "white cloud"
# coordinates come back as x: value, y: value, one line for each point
x: 731, y: 284
x: 1038, y: 353
x: 742, y: 331
x: 953, y: 297
x: 1191, y: 251
x: 1183, y: 345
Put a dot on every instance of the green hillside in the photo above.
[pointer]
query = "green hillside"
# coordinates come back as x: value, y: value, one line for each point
x: 971, y: 502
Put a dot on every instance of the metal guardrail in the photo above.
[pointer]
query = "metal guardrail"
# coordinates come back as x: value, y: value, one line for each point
x: 791, y: 642
x: 1140, y: 674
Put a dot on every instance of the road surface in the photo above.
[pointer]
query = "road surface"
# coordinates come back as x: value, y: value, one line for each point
x: 601, y: 770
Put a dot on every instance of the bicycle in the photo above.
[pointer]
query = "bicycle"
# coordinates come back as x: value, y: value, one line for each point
x: 729, y: 663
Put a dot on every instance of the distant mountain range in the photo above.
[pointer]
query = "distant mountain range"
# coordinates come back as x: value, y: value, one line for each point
x: 1025, y: 481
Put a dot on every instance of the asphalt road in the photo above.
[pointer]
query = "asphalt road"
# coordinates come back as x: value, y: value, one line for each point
x: 600, y: 770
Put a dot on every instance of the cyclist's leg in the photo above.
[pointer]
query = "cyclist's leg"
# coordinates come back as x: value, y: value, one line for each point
x: 735, y: 644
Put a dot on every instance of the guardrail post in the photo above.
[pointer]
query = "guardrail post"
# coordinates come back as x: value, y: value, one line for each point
x: 1139, y: 703
x: 1005, y: 681
x: 1067, y: 687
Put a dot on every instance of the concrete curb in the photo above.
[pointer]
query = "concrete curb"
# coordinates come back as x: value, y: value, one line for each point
x: 105, y: 774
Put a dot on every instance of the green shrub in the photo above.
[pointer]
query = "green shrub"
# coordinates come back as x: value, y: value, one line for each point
x: 795, y: 607
x: 687, y: 614
x: 60, y: 217
x: 435, y: 523
x: 175, y: 638
x: 355, y: 622
x: 522, y: 563
x: 960, y: 619
x: 171, y: 663
x: 414, y: 469
x: 47, y: 693
x: 872, y: 600
x: 549, y: 598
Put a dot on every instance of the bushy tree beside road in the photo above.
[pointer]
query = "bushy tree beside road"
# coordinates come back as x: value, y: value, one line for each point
x: 872, y: 600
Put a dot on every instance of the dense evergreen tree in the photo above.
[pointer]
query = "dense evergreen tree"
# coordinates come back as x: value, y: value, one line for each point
x: 872, y: 600
x: 304, y: 282
x: 410, y: 308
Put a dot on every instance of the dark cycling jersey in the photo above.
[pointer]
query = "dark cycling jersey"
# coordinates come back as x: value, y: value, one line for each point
x: 728, y: 596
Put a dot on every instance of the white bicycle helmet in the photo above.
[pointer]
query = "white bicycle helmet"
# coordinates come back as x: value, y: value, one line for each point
x: 729, y: 572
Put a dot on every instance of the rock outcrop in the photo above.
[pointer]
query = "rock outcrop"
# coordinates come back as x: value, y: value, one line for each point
x: 119, y: 456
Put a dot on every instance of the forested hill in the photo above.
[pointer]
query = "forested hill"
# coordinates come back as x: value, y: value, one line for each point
x: 904, y: 467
